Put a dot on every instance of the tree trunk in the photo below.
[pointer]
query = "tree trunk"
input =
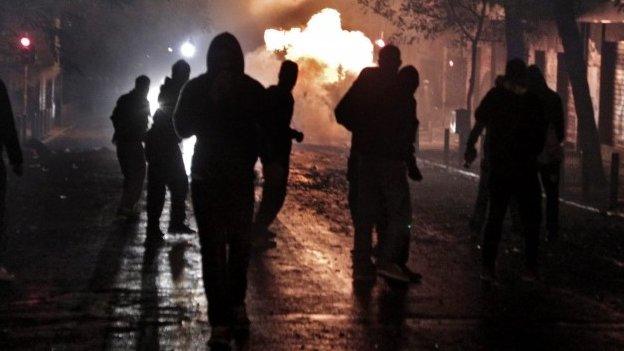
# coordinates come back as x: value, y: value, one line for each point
x: 473, y: 74
x: 514, y: 32
x: 576, y: 68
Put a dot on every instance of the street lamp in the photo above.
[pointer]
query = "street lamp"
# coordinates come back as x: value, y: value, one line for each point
x: 188, y: 49
x: 25, y: 42
x: 27, y: 57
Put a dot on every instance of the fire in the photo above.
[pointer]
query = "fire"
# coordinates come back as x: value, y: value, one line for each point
x: 323, y: 40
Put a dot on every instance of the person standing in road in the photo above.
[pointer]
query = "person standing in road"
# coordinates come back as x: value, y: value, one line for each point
x: 551, y: 158
x: 164, y: 159
x: 280, y: 111
x: 9, y: 142
x: 515, y: 132
x: 224, y: 108
x: 130, y: 118
x: 371, y: 112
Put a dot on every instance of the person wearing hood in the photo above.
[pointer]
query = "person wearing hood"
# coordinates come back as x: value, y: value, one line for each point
x: 224, y: 108
x: 551, y: 158
x: 165, y: 166
x: 515, y: 128
x: 9, y: 142
x: 130, y: 118
x: 281, y: 107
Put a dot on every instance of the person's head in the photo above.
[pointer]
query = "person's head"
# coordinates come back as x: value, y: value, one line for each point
x: 516, y: 72
x: 409, y: 79
x: 390, y: 58
x: 181, y: 71
x: 289, y: 71
x: 225, y: 54
x: 536, y: 80
x: 142, y: 85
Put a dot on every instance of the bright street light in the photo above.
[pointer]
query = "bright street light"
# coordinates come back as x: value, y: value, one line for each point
x: 25, y: 42
x: 187, y: 49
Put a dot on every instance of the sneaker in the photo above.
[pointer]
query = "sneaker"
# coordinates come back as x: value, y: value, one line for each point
x: 263, y: 244
x: 241, y: 323
x: 128, y: 214
x: 530, y: 275
x: 393, y: 272
x: 487, y: 275
x: 364, y: 272
x: 6, y: 276
x: 181, y: 229
x: 220, y: 339
x: 413, y: 276
x: 154, y: 232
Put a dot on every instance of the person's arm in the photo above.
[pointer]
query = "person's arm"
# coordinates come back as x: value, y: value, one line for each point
x: 187, y: 113
x: 348, y: 109
x: 482, y: 116
x: 9, y: 132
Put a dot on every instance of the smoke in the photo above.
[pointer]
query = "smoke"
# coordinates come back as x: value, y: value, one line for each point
x: 329, y: 59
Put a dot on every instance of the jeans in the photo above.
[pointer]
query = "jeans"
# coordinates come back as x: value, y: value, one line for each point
x: 131, y: 156
x: 550, y: 177
x: 224, y: 211
x: 273, y: 195
x: 383, y: 196
x: 160, y: 177
x: 3, y: 238
x: 525, y: 189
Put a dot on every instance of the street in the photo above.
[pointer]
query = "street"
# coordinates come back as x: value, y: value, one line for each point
x: 87, y: 281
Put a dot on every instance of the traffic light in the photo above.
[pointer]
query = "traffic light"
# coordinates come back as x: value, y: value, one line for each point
x: 26, y: 50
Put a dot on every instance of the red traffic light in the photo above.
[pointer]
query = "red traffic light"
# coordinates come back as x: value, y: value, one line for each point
x: 25, y: 42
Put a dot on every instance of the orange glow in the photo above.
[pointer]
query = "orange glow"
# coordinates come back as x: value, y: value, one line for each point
x: 324, y: 41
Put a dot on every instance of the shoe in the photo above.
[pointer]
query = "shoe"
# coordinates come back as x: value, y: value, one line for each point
x: 6, y: 276
x: 393, y: 272
x: 181, y: 229
x: 154, y: 232
x: 220, y: 339
x: 364, y: 272
x: 128, y: 214
x: 413, y: 276
x: 241, y: 324
x: 487, y: 275
x: 263, y: 244
x: 530, y: 275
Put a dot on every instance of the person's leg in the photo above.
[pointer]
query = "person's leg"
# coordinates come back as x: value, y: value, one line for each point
x: 397, y: 207
x: 212, y: 236
x: 273, y: 196
x: 240, y: 220
x: 499, y: 195
x: 132, y: 161
x: 529, y: 199
x: 353, y: 187
x: 155, y: 196
x: 3, y: 238
x: 368, y: 205
x: 178, y: 186
x: 480, y: 208
x: 550, y: 175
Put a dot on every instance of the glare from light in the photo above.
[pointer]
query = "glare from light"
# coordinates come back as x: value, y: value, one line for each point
x: 152, y: 98
x: 170, y: 49
x: 380, y: 43
x: 187, y: 49
x: 451, y: 63
x: 25, y: 41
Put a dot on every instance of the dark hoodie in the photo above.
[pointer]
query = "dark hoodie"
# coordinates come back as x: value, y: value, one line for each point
x: 8, y: 133
x: 162, y: 142
x: 222, y: 108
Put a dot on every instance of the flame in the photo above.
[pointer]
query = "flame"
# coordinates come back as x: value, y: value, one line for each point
x: 323, y: 40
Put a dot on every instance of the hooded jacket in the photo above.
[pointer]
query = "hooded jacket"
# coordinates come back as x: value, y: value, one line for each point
x: 223, y: 109
x: 8, y: 133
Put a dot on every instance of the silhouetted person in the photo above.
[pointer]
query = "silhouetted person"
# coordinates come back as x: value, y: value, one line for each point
x: 371, y: 111
x: 164, y: 158
x: 224, y: 108
x: 515, y: 132
x: 409, y: 81
x: 9, y: 142
x: 280, y: 111
x: 551, y: 158
x: 130, y: 122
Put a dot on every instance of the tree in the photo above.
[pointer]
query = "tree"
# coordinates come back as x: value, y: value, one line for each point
x: 468, y: 20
